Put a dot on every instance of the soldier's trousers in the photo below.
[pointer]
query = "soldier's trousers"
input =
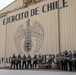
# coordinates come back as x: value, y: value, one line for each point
x: 62, y: 65
x: 34, y: 64
x: 18, y: 65
x: 70, y: 65
x: 24, y: 64
x: 13, y: 64
x: 29, y: 64
x: 74, y: 65
x: 65, y: 65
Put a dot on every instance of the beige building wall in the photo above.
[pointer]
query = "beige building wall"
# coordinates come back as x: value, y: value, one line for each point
x: 49, y: 23
x: 68, y: 26
x: 2, y: 41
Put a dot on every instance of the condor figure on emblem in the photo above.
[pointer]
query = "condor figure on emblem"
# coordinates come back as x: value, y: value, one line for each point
x: 27, y: 33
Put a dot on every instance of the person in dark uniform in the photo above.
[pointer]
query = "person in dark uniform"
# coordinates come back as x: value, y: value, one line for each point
x: 24, y: 61
x: 74, y: 61
x: 13, y: 61
x: 63, y: 61
x: 65, y: 56
x: 70, y: 62
x: 34, y: 61
x: 18, y: 62
x: 29, y: 61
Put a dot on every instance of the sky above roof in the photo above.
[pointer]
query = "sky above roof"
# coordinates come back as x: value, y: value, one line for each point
x: 4, y: 3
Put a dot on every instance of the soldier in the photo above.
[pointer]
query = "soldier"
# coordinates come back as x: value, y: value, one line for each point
x: 63, y: 61
x: 65, y: 56
x: 59, y: 60
x: 34, y: 61
x: 18, y: 62
x: 70, y: 62
x: 39, y: 60
x: 29, y: 61
x: 13, y: 61
x: 49, y: 61
x: 74, y: 61
x: 24, y: 61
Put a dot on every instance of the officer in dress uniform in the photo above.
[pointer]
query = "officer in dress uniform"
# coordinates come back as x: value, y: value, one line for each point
x: 18, y: 64
x: 70, y: 62
x: 34, y: 61
x: 29, y: 61
x: 24, y: 59
x: 74, y: 60
x: 13, y: 61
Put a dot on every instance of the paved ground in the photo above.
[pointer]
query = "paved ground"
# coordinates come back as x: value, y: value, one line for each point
x: 35, y: 72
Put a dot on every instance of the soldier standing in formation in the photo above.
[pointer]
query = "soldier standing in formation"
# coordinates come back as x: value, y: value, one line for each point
x: 29, y: 61
x: 13, y: 61
x: 49, y: 61
x: 24, y: 59
x: 74, y: 61
x: 70, y: 62
x: 18, y: 64
x: 65, y: 56
x: 59, y: 60
x: 39, y: 60
x: 34, y: 61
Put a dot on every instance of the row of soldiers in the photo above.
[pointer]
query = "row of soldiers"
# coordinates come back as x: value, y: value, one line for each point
x: 67, y: 60
x: 18, y: 62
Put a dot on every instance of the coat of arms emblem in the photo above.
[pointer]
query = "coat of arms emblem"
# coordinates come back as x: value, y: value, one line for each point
x: 27, y: 33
